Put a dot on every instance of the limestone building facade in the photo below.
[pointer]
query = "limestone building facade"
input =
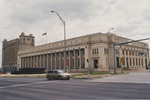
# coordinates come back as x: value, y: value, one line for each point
x: 84, y: 53
x: 10, y: 50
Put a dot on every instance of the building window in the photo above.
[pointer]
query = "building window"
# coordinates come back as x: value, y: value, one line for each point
x: 135, y: 53
x: 95, y: 51
x: 133, y: 62
x: 130, y: 53
x: 73, y: 63
x: 142, y: 61
x: 127, y: 52
x: 136, y: 62
x: 78, y: 53
x: 130, y: 62
x: 123, y: 61
x: 139, y: 61
x: 122, y: 52
x: 78, y: 62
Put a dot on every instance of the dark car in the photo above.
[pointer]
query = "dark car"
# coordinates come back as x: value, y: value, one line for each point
x: 57, y: 74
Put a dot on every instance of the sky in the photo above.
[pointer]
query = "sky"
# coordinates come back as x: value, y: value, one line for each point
x: 129, y: 18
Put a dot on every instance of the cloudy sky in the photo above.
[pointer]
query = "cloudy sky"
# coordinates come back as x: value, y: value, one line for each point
x: 129, y: 18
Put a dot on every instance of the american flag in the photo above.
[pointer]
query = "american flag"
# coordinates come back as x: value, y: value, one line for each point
x: 44, y: 33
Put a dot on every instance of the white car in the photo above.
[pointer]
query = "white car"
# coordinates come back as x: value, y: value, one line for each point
x: 57, y: 74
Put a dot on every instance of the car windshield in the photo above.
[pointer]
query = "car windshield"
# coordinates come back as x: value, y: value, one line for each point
x: 61, y: 71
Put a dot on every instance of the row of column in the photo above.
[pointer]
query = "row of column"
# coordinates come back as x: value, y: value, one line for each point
x: 75, y: 59
x: 133, y: 61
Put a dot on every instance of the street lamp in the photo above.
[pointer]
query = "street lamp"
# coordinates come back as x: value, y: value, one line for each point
x: 64, y: 37
x: 108, y: 48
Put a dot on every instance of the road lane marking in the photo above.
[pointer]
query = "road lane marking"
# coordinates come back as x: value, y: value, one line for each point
x: 19, y: 85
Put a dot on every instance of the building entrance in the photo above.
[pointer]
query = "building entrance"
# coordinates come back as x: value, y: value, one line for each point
x: 118, y: 63
x: 95, y: 63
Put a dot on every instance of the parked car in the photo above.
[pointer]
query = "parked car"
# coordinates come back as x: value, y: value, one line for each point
x: 57, y: 74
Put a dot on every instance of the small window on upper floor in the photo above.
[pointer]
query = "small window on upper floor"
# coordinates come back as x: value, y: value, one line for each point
x: 95, y: 51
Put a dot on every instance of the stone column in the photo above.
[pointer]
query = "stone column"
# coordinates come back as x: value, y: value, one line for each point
x: 33, y: 61
x: 51, y: 61
x: 74, y: 58
x: 55, y: 60
x: 22, y: 62
x: 80, y: 60
x: 37, y: 60
x: 125, y: 62
x: 25, y: 62
x: 69, y: 60
x: 47, y: 62
x: 86, y: 58
x: 29, y: 62
x: 60, y: 60
x: 44, y: 61
x: 40, y: 61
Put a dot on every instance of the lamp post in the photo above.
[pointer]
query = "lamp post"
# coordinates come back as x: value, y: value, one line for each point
x: 108, y: 48
x: 64, y: 37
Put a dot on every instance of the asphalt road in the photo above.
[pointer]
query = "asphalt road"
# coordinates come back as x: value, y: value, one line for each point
x: 76, y: 89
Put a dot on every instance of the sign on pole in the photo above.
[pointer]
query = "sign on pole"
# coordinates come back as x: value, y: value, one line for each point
x: 67, y: 63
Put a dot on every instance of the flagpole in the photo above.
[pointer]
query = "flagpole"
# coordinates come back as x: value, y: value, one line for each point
x: 46, y: 38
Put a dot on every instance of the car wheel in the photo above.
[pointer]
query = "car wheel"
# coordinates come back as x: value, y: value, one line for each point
x: 60, y: 78
x: 68, y: 78
x: 49, y: 78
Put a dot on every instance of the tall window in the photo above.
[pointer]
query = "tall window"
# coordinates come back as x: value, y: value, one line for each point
x: 136, y: 62
x: 122, y: 52
x: 130, y: 62
x: 127, y: 52
x: 142, y: 61
x: 139, y: 62
x: 133, y: 62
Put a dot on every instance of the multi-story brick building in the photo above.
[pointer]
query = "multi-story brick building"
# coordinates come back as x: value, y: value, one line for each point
x: 10, y: 51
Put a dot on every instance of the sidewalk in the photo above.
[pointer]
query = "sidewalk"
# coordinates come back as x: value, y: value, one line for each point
x: 133, y: 77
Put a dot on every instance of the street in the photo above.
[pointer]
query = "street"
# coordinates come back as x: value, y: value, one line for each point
x: 131, y: 86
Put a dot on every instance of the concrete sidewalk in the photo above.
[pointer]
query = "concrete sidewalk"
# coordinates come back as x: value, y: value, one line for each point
x: 133, y: 77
